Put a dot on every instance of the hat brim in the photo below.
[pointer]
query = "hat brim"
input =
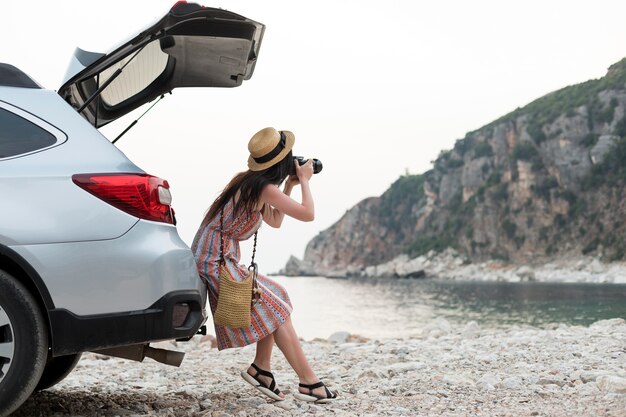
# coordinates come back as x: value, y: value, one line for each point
x: 290, y: 139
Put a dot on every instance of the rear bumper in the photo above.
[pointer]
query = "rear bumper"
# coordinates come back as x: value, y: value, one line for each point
x: 178, y: 314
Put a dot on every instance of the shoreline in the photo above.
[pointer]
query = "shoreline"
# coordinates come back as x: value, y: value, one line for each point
x: 451, y: 265
x: 448, y: 370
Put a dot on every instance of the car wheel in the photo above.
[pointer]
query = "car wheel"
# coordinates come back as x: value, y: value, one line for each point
x: 56, y: 370
x: 23, y: 344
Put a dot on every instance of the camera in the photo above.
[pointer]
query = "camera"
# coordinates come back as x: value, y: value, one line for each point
x: 317, y: 165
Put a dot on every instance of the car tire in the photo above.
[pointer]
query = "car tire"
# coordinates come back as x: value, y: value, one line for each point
x: 56, y: 370
x: 23, y: 344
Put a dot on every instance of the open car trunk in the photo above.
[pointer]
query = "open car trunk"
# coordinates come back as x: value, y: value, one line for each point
x: 191, y: 46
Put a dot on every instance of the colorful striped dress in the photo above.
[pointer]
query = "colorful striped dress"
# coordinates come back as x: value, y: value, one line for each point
x: 274, y: 307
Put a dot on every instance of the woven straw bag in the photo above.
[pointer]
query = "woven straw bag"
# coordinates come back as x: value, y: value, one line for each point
x: 234, y: 301
x: 235, y: 298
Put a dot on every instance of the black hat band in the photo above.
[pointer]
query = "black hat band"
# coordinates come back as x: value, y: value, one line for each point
x: 274, y: 152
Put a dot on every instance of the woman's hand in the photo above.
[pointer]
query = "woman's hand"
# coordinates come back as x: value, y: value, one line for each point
x: 304, y: 172
x: 292, y: 181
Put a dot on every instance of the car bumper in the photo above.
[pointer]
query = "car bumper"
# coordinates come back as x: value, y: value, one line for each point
x: 178, y: 314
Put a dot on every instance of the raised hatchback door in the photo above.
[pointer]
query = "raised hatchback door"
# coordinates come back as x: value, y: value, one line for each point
x: 191, y: 46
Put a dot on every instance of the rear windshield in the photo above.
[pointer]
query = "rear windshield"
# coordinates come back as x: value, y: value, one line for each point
x: 144, y: 68
x: 19, y: 136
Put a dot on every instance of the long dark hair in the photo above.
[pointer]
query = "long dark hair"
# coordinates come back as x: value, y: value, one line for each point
x: 250, y: 184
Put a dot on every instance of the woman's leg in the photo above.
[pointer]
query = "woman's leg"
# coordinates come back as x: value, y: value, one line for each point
x: 263, y: 359
x: 288, y: 342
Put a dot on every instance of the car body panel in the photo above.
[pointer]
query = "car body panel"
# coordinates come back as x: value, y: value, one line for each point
x: 117, y: 275
x: 45, y: 205
x: 191, y: 46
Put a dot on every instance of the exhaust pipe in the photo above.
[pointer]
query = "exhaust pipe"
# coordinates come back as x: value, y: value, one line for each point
x: 168, y: 357
x: 140, y: 352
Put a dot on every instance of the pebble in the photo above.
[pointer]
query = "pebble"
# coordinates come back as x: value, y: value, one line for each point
x: 339, y: 337
x: 463, y: 370
x: 512, y: 383
x: 612, y: 383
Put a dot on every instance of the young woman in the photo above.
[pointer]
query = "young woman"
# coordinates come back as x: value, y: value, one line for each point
x: 253, y: 197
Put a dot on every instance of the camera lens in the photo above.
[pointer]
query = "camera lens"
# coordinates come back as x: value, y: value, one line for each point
x: 317, y: 165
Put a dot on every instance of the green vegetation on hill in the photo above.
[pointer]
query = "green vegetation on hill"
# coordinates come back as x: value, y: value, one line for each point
x: 566, y: 100
x: 456, y: 229
x: 611, y: 171
x: 397, y: 203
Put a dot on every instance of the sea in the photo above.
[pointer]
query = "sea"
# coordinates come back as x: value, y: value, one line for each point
x: 399, y: 308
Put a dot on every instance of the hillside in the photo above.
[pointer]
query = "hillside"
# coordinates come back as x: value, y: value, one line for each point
x: 544, y: 181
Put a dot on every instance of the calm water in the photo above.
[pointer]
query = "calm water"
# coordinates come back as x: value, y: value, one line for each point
x: 398, y: 308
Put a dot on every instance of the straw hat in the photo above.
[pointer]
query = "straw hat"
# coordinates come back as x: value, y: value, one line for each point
x: 268, y: 147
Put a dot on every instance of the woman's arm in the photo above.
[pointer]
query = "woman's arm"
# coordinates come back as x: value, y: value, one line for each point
x: 273, y: 216
x: 277, y: 203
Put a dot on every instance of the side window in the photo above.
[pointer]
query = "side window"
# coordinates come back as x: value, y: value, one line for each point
x: 19, y: 136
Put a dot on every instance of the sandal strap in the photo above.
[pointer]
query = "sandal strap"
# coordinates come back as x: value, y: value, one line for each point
x: 262, y: 372
x: 311, y: 387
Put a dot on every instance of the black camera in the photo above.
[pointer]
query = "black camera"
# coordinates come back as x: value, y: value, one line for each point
x: 317, y: 165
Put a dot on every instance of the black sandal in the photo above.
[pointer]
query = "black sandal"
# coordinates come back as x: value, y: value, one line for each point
x: 314, y: 398
x: 271, y: 390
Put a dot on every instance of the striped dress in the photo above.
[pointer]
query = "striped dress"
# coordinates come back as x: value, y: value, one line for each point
x: 274, y: 307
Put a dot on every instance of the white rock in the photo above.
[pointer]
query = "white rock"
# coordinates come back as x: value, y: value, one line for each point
x: 596, y: 267
x: 437, y: 328
x: 609, y: 323
x: 285, y: 405
x: 612, y: 383
x: 485, y: 386
x: 620, y: 277
x: 339, y: 337
x: 457, y: 379
x: 371, y: 373
x: 551, y: 380
x: 254, y: 402
x: 488, y: 382
x: 488, y: 358
x: 512, y: 383
x: 591, y: 376
x: 402, y: 367
x: 471, y: 330
x: 525, y: 273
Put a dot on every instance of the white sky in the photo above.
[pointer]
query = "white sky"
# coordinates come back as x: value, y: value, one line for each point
x: 371, y: 88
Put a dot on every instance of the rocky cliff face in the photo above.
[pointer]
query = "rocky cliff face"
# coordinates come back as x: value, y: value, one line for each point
x: 546, y: 180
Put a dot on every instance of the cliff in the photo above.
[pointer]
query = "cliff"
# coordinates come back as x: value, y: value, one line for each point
x: 544, y: 181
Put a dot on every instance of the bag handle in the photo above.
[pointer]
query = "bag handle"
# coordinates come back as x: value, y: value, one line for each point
x: 253, y: 265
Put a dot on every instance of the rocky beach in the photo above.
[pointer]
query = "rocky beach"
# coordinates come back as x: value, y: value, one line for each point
x: 448, y: 370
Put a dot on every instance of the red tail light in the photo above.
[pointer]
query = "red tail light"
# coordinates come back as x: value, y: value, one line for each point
x: 140, y: 195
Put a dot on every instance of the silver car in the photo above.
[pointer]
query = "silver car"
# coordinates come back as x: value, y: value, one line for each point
x: 90, y: 258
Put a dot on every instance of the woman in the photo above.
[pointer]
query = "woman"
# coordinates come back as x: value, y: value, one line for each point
x: 250, y: 198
